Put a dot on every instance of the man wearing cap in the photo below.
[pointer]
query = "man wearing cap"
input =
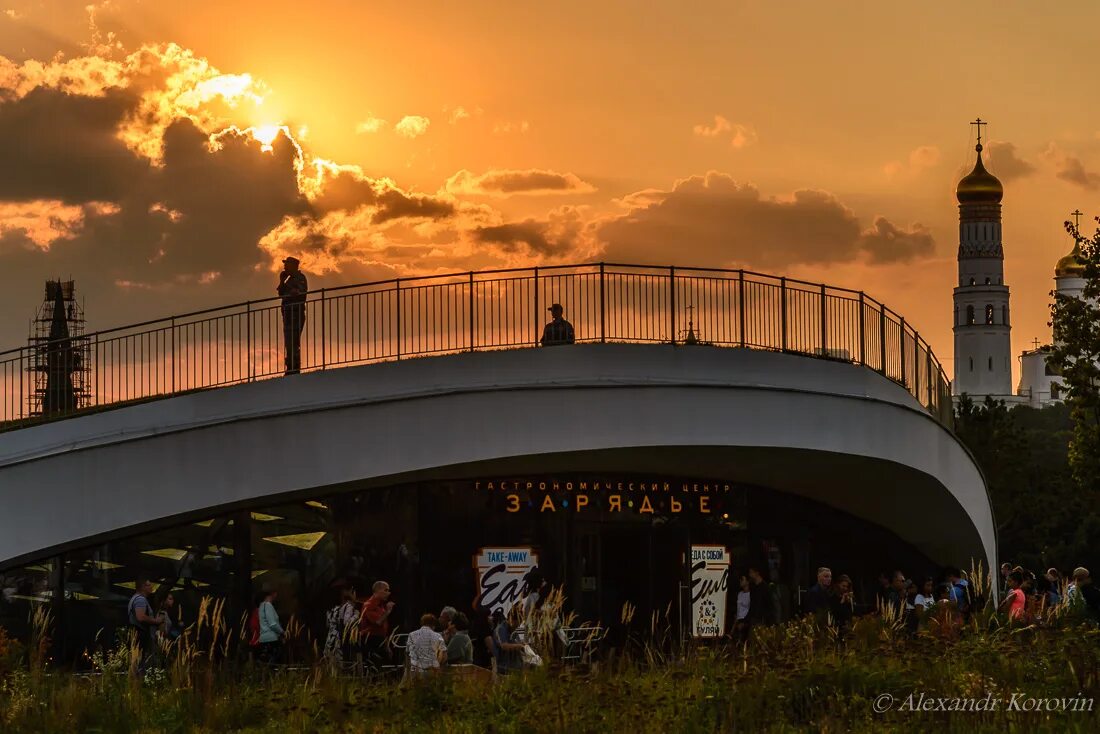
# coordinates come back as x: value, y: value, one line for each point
x: 293, y: 288
x: 558, y: 331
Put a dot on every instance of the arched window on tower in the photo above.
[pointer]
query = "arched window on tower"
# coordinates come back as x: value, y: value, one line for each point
x: 971, y: 364
x: 989, y: 313
x: 990, y: 364
x: 970, y: 315
x: 972, y: 281
x: 1004, y: 315
x: 987, y: 281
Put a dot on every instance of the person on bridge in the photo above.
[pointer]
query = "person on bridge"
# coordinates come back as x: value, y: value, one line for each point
x: 293, y: 289
x: 558, y: 331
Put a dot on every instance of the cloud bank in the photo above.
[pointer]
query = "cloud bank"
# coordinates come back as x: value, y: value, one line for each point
x: 138, y: 175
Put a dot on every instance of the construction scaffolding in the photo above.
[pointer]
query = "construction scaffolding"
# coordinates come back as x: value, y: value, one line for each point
x: 60, y: 364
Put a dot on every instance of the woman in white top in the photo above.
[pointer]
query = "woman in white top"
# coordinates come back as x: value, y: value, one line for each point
x: 741, y: 623
x: 926, y: 596
x: 743, y: 599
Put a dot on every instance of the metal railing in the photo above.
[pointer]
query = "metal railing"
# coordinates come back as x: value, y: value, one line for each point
x: 492, y: 309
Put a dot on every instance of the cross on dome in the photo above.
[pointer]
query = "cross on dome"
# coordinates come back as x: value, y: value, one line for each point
x: 979, y: 186
x: 978, y: 123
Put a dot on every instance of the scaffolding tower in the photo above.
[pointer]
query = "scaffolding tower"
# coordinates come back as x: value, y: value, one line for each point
x: 60, y: 353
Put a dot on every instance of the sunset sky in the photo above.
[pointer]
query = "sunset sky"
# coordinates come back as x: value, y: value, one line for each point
x: 167, y: 155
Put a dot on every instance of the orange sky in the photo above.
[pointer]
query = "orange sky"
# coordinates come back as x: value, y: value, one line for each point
x: 568, y: 111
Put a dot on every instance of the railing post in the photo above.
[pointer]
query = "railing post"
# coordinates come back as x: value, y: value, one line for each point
x: 672, y: 300
x: 397, y: 291
x: 862, y: 345
x: 537, y: 313
x: 882, y: 337
x: 741, y: 303
x: 783, y: 313
x: 901, y: 343
x: 173, y: 327
x: 248, y: 337
x: 928, y: 358
x: 471, y: 310
x: 603, y: 307
x: 824, y: 330
x: 95, y: 366
x: 324, y: 353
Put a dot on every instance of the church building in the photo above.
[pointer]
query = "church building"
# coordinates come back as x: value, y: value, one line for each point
x: 982, y: 325
x: 1040, y: 383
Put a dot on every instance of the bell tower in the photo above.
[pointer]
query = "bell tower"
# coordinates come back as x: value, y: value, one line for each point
x: 983, y: 343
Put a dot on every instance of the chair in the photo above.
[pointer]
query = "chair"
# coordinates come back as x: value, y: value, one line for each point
x: 579, y: 643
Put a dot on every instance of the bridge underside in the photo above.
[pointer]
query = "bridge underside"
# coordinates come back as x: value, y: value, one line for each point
x: 836, y: 433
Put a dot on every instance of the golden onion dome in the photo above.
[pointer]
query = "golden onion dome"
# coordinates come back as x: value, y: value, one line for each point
x: 1072, y: 265
x: 979, y: 186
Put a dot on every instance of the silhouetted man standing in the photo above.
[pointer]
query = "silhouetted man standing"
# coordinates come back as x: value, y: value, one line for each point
x: 558, y: 331
x: 293, y: 288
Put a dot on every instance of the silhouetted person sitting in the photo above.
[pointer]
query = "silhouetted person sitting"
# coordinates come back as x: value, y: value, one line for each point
x: 293, y: 288
x: 558, y: 331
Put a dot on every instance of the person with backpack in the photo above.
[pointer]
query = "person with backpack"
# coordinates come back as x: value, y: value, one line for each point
x: 959, y: 588
x: 334, y: 638
x: 342, y: 621
x: 142, y: 620
x: 271, y: 632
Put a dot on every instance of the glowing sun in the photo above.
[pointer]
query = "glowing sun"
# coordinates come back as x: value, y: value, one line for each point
x: 266, y: 134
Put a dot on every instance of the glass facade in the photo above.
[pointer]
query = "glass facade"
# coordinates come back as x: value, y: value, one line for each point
x: 606, y: 540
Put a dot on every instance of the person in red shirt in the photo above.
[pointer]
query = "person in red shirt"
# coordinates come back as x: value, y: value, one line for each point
x: 1015, y: 600
x: 374, y: 622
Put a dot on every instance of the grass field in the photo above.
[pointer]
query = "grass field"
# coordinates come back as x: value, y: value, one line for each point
x: 800, y: 676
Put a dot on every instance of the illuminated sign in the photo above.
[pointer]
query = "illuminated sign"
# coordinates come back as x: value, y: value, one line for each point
x: 576, y: 495
x: 710, y: 569
x: 501, y: 574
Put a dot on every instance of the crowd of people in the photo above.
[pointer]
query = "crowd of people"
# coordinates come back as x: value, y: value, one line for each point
x: 358, y: 636
x: 358, y: 633
x: 1024, y: 596
x: 359, y: 629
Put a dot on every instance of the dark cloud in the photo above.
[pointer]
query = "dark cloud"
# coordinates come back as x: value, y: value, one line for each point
x: 177, y: 236
x: 886, y: 243
x: 1004, y: 162
x: 512, y: 237
x: 81, y: 196
x: 509, y: 182
x: 396, y: 204
x: 565, y: 231
x: 713, y: 220
x: 229, y: 197
x: 347, y: 190
x: 1074, y: 171
x: 65, y: 147
x: 343, y: 190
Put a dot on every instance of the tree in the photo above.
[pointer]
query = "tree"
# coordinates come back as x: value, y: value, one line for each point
x: 1076, y: 354
x: 1043, y: 519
